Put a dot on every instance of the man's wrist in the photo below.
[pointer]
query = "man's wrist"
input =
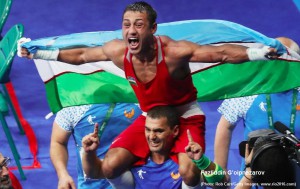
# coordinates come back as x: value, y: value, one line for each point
x: 214, y: 176
x: 202, y: 163
x: 258, y: 53
x: 46, y: 54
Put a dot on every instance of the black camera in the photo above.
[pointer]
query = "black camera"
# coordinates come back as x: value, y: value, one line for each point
x: 284, y: 139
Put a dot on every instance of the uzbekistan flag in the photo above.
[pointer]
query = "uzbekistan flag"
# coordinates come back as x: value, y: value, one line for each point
x: 102, y: 82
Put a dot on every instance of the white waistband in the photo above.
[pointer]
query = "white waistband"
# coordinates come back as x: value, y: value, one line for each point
x: 187, y: 110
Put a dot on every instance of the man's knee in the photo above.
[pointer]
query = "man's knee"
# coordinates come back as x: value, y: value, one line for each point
x: 109, y: 167
x: 117, y: 161
x: 189, y: 172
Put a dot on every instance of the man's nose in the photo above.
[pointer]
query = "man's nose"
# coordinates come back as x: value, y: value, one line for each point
x: 152, y: 136
x: 132, y: 30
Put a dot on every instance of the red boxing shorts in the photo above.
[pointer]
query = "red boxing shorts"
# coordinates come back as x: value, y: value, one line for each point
x: 133, y: 138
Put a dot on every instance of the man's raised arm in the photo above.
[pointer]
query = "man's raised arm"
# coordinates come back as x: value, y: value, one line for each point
x: 112, y: 50
x: 225, y: 53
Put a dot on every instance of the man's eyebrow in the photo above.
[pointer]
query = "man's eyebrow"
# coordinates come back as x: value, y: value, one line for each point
x: 138, y: 19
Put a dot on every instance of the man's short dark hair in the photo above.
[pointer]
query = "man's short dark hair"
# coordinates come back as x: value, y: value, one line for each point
x: 165, y: 111
x: 142, y: 6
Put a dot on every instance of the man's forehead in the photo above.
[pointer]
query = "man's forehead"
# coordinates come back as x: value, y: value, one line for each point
x: 156, y: 123
x: 135, y: 15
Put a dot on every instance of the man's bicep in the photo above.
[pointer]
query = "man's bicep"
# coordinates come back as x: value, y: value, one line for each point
x: 224, y: 123
x: 59, y: 135
x: 185, y: 49
x: 96, y: 54
x: 206, y: 53
x: 231, y: 109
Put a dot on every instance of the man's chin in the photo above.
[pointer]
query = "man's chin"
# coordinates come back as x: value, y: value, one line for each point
x: 154, y: 149
x: 134, y: 51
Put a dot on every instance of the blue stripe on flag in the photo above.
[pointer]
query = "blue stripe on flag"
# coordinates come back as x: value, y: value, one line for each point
x: 297, y: 3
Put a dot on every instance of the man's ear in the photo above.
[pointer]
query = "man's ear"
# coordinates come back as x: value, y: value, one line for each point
x: 176, y: 131
x: 154, y: 27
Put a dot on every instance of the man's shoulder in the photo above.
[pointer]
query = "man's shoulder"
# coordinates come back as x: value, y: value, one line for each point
x: 175, y: 46
x: 116, y: 44
x: 115, y: 49
x: 166, y: 40
x: 172, y: 47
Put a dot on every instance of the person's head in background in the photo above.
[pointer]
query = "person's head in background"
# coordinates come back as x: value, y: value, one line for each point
x: 161, y: 129
x: 272, y: 160
x: 289, y: 43
x: 5, y: 182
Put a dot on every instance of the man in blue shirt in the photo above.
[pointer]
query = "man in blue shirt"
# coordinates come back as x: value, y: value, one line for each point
x: 160, y: 171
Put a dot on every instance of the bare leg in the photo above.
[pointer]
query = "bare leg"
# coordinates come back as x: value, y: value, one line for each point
x: 117, y: 161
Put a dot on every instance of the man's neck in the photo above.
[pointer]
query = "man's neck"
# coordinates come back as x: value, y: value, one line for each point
x: 159, y: 158
x: 149, y: 53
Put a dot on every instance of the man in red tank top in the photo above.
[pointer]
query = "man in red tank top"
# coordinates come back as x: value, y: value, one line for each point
x: 158, y: 70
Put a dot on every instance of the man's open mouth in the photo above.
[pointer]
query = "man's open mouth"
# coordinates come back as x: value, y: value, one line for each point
x: 133, y: 41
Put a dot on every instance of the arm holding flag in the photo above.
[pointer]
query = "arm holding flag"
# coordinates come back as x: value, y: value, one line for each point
x: 223, y: 53
x: 76, y: 56
x: 195, y: 52
x: 210, y: 79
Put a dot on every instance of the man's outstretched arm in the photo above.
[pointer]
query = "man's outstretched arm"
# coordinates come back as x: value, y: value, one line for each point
x: 109, y: 51
x: 224, y: 53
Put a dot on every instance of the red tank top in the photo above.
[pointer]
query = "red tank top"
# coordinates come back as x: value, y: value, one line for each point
x: 163, y: 89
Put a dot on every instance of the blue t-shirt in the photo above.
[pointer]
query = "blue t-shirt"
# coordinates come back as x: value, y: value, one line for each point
x: 253, y: 110
x: 157, y: 176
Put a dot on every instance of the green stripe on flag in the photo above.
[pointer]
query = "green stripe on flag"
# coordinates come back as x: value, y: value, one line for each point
x: 236, y: 80
x: 53, y: 96
x: 219, y: 82
x: 77, y: 89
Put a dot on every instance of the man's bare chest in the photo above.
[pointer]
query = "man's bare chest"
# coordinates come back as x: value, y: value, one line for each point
x: 145, y: 72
